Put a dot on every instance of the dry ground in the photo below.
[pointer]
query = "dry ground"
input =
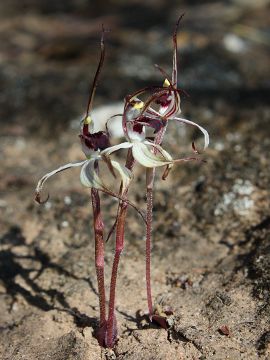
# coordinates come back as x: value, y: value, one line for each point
x: 211, y: 251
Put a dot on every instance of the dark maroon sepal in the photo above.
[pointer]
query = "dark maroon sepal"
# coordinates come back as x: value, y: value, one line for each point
x: 96, y: 141
x: 156, y: 124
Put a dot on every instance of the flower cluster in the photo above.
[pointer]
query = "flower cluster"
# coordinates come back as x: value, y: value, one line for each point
x: 149, y: 109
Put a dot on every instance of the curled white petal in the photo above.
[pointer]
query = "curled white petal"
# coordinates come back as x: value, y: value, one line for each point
x: 125, y: 174
x: 112, y: 149
x: 160, y: 150
x: 48, y: 175
x: 147, y: 158
x: 90, y: 177
x: 188, y: 122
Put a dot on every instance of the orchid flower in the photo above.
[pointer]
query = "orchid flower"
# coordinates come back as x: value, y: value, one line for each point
x: 92, y: 145
x: 137, y: 116
x: 139, y: 113
x: 89, y: 173
x: 142, y: 149
x: 168, y: 99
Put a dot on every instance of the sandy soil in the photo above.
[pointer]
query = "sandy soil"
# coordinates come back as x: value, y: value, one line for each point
x: 211, y: 251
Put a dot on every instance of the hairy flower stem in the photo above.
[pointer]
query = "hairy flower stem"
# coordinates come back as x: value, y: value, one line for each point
x: 150, y: 178
x: 150, y: 175
x: 119, y: 246
x: 99, y: 262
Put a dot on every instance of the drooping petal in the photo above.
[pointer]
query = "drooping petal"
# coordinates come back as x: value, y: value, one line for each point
x: 112, y: 149
x: 125, y: 174
x: 143, y: 154
x: 188, y: 122
x: 159, y: 149
x: 90, y: 176
x: 47, y: 176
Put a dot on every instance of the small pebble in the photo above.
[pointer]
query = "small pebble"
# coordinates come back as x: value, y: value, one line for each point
x: 65, y: 224
x: 67, y: 200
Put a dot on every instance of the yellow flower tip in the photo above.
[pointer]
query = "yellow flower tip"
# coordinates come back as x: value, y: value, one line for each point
x: 166, y: 83
x: 87, y: 120
x: 138, y: 105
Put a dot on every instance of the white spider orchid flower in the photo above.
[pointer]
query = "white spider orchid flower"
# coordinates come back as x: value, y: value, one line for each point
x: 144, y: 151
x: 157, y: 120
x: 152, y: 115
x: 92, y: 145
x: 168, y: 99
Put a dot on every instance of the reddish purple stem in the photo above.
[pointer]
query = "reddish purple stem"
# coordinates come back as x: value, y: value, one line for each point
x: 99, y: 261
x: 150, y: 177
x: 119, y: 246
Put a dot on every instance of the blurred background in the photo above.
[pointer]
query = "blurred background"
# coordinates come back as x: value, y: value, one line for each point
x: 49, y: 51
x: 216, y: 221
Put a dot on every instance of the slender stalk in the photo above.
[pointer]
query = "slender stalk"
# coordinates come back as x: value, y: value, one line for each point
x: 119, y: 246
x: 99, y: 260
x: 150, y: 178
x: 150, y: 175
x: 97, y: 74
